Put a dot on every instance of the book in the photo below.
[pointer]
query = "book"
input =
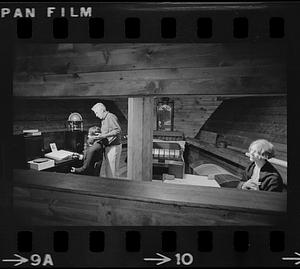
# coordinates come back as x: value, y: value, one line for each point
x: 32, y: 134
x: 30, y: 131
x: 227, y: 180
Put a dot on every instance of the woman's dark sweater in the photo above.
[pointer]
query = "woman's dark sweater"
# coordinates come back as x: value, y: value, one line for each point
x: 92, y: 160
x: 269, y: 177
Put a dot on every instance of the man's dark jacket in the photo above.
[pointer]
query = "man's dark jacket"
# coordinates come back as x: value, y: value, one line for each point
x: 269, y: 177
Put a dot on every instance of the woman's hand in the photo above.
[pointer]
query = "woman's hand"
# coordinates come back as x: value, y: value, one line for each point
x: 97, y: 137
x: 250, y: 185
x: 72, y: 169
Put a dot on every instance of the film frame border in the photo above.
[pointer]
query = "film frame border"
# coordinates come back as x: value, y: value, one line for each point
x: 218, y: 36
x: 223, y: 22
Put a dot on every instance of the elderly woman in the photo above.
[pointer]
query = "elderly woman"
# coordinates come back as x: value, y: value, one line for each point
x: 260, y: 174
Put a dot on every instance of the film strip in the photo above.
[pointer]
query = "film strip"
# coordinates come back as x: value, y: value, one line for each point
x: 224, y: 74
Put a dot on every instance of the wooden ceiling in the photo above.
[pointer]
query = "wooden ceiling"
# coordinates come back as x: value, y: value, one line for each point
x: 87, y: 70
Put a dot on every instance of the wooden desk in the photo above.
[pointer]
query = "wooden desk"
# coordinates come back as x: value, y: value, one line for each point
x: 195, y: 180
x: 171, y: 167
x: 167, y: 158
x: 64, y: 166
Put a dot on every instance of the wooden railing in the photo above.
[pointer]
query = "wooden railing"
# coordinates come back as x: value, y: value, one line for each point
x: 67, y: 199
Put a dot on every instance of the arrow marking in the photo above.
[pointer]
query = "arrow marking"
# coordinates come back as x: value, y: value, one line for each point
x: 297, y: 259
x: 161, y: 260
x: 19, y: 261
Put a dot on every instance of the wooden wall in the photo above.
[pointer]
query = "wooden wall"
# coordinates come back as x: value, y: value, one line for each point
x: 256, y: 117
x: 190, y: 113
x: 148, y: 69
x: 94, y: 70
x: 50, y: 116
x: 239, y: 121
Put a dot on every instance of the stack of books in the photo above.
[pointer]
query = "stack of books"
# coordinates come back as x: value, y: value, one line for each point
x: 41, y: 164
x: 226, y: 180
x: 31, y: 132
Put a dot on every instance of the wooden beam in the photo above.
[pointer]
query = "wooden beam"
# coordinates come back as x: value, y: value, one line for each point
x: 140, y: 128
x: 270, y: 70
x: 217, y: 86
x: 47, y: 59
x: 149, y: 70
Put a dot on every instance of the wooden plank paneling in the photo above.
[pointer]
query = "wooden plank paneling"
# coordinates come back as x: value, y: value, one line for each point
x: 152, y: 74
x: 154, y: 191
x: 106, y: 57
x: 274, y: 137
x: 140, y: 123
x: 74, y: 209
x: 72, y: 199
x: 52, y: 115
x: 239, y: 121
x: 150, y: 69
x: 191, y: 112
x: 92, y: 70
x: 202, y: 85
x: 208, y: 137
x: 258, y: 128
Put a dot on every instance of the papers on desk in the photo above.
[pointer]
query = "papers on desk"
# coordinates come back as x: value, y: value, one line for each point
x: 194, y: 180
x: 59, y: 155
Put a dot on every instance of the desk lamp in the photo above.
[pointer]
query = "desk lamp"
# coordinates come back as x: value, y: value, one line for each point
x: 74, y: 137
x: 75, y: 122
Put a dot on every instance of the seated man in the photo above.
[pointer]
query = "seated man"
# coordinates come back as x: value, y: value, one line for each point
x: 92, y: 155
x: 260, y: 174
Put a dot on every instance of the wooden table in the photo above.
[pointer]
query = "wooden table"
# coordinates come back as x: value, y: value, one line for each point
x: 64, y: 166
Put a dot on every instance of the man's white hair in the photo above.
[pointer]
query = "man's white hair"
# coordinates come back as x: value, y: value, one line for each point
x: 98, y: 106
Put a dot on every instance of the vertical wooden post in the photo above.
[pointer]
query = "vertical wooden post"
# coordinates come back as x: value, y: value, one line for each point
x: 140, y: 130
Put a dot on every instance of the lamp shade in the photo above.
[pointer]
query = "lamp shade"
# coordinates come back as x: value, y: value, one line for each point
x: 75, y: 116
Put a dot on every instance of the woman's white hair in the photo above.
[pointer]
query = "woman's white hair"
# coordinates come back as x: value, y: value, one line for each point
x: 262, y: 148
x: 98, y: 106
